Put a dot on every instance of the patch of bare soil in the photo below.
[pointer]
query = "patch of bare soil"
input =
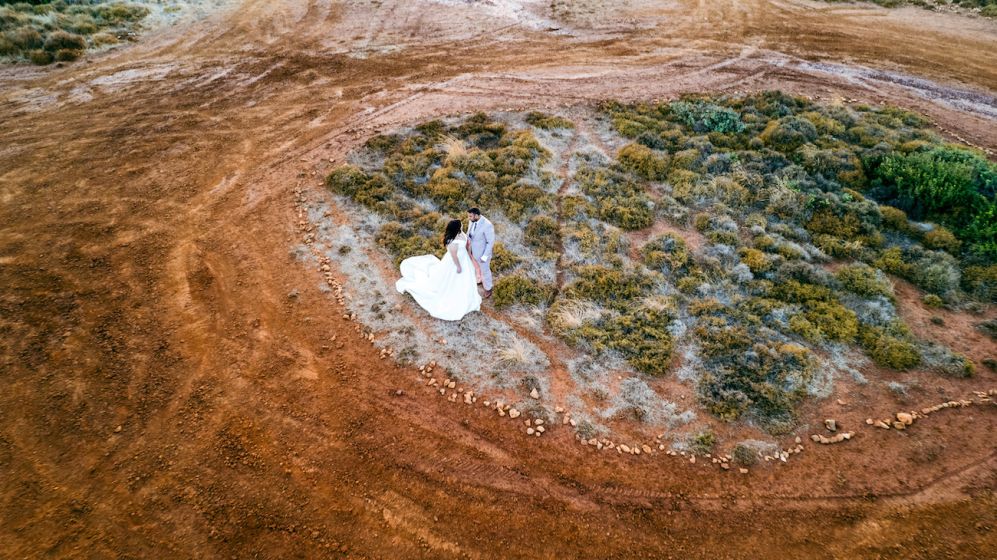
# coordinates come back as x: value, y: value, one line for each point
x: 178, y: 381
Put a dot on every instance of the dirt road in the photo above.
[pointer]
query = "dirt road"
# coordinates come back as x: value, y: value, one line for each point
x: 175, y: 384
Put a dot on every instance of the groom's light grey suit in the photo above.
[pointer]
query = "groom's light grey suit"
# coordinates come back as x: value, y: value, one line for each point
x: 482, y: 234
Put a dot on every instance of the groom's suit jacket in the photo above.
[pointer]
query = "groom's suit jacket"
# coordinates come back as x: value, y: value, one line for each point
x: 482, y: 234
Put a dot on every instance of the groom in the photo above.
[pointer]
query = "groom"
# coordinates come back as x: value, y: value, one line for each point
x: 482, y: 235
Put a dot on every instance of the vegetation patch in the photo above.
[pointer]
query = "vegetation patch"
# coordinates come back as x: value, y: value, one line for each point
x: 45, y: 31
x: 802, y: 215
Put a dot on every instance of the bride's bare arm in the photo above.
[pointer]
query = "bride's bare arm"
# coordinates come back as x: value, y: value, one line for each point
x: 453, y: 254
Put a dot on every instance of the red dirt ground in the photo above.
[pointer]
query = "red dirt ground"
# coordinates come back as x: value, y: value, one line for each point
x: 148, y: 219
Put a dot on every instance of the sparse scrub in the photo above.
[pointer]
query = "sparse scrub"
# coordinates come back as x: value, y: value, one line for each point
x: 43, y: 31
x: 777, y: 186
x: 669, y: 251
x: 548, y: 122
x: 703, y: 442
x: 544, y: 235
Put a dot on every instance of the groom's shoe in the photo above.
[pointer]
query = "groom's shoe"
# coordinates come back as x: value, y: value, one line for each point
x: 488, y: 294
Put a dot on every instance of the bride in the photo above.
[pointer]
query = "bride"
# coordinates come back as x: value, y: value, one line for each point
x: 447, y: 288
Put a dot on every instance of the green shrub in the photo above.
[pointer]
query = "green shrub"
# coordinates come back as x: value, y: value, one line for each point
x: 639, y: 333
x: 619, y: 200
x: 644, y: 162
x: 744, y: 455
x: 834, y: 321
x: 932, y: 301
x: 755, y: 259
x: 516, y: 289
x: 384, y: 143
x: 707, y: 117
x: 703, y: 442
x: 543, y: 234
x: 103, y: 39
x: 402, y: 242
x: 642, y: 338
x: 981, y: 281
x: 895, y: 218
x: 668, y: 249
x: 892, y: 260
x: 61, y: 40
x: 609, y: 286
x: 764, y: 379
x: 548, y: 122
x: 40, y: 57
x: 67, y: 55
x: 23, y: 39
x: 888, y: 350
x: 936, y: 275
x: 788, y: 133
x: 946, y: 362
x: 941, y: 239
x: 950, y: 185
x: 864, y: 280
x: 503, y: 260
x: 845, y: 225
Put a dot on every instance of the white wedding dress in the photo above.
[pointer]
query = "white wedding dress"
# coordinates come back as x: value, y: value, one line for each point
x: 438, y: 287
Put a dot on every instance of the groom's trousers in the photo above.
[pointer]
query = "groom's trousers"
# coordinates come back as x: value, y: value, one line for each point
x: 486, y: 273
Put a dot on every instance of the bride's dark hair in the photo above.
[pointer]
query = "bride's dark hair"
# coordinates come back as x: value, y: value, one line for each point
x: 453, y: 230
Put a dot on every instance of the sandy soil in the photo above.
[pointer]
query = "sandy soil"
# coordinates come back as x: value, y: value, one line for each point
x: 176, y: 384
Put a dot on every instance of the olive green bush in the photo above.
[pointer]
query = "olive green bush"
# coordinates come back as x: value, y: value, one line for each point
x: 618, y: 198
x: 890, y: 347
x: 644, y: 162
x: 548, y: 122
x: 543, y: 234
x: 517, y: 289
x: 668, y: 250
x: 864, y: 280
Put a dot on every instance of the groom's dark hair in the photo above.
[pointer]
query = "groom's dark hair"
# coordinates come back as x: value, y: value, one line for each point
x: 474, y: 211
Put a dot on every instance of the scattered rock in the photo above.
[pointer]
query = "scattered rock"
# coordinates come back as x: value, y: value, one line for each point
x: 534, y: 393
x: 831, y: 425
x: 906, y: 418
x: 742, y: 471
x: 513, y: 413
x: 117, y: 430
x: 529, y: 431
x: 881, y: 424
